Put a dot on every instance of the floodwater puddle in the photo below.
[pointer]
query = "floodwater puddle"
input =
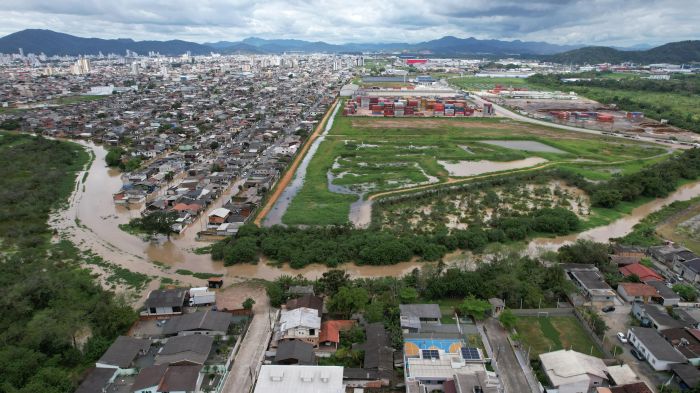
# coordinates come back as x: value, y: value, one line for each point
x: 473, y: 168
x: 533, y: 146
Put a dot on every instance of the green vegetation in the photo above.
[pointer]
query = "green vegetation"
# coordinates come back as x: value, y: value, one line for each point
x: 545, y: 334
x: 200, y: 275
x: 644, y: 233
x: 475, y: 308
x: 676, y: 100
x: 158, y: 222
x: 479, y: 83
x: 76, y: 99
x: 512, y: 278
x: 56, y: 320
x: 687, y: 292
x: 372, y: 155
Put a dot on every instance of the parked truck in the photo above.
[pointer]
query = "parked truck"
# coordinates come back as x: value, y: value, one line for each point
x: 201, y: 296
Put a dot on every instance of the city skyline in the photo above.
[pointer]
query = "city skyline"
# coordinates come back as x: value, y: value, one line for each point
x: 603, y: 22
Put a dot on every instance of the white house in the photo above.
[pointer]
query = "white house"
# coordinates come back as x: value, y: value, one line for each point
x: 293, y: 379
x: 573, y: 372
x: 657, y: 351
x: 302, y: 323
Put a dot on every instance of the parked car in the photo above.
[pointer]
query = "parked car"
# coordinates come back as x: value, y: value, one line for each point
x: 608, y: 309
x: 636, y: 354
x: 621, y: 336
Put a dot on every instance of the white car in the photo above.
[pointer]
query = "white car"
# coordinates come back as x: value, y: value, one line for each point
x: 621, y: 336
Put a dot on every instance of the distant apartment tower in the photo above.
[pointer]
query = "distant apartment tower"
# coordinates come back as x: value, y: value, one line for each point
x: 21, y: 52
x: 134, y: 68
x: 80, y: 67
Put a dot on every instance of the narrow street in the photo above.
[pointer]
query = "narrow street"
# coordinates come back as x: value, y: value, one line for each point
x: 512, y: 374
x: 245, y: 365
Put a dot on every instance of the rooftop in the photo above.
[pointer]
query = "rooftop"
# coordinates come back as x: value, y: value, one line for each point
x: 294, y: 379
x: 166, y: 298
x: 201, y: 320
x: 564, y: 366
x: 123, y: 351
x: 658, y: 347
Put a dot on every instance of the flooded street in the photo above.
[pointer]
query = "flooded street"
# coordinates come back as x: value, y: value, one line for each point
x: 91, y: 221
x: 617, y: 228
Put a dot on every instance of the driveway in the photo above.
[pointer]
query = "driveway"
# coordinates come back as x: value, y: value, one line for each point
x: 619, y: 321
x: 510, y: 370
x: 247, y: 362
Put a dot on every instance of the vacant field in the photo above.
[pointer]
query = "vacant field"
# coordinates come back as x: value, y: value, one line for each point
x: 479, y: 83
x: 545, y: 334
x: 365, y: 156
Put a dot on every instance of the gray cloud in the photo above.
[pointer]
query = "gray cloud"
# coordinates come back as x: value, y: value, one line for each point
x: 600, y: 22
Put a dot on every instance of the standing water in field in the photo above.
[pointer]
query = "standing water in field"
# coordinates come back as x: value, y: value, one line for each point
x: 274, y: 216
x: 473, y: 168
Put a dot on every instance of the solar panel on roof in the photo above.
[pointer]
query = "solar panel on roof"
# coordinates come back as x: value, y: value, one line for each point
x: 430, y: 354
x: 470, y: 354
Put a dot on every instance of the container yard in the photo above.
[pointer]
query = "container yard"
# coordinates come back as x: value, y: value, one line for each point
x: 363, y: 105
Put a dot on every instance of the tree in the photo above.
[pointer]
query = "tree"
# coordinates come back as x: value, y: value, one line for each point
x: 586, y: 251
x: 114, y: 157
x: 477, y: 308
x: 214, y: 145
x: 374, y: 312
x: 508, y: 319
x: 332, y: 280
x: 169, y: 176
x: 348, y: 300
x: 687, y: 292
x: 248, y: 303
x: 159, y: 222
x: 244, y: 250
x: 408, y: 295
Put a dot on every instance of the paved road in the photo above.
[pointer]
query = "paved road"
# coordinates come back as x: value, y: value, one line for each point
x: 245, y: 366
x: 511, y: 373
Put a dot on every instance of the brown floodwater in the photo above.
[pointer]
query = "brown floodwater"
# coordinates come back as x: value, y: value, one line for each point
x: 619, y: 227
x: 92, y: 222
x: 473, y: 168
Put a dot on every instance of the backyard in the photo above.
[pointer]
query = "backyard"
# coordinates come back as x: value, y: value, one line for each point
x: 545, y: 334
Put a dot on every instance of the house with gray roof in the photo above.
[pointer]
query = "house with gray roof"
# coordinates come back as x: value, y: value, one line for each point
x: 165, y: 302
x: 664, y: 295
x: 592, y: 285
x: 295, y: 352
x: 165, y: 379
x: 97, y: 380
x: 207, y: 322
x: 185, y: 350
x: 123, y: 352
x: 413, y: 315
x: 658, y: 352
x: 656, y: 317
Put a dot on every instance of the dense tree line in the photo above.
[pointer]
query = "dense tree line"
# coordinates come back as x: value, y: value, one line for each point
x: 655, y: 181
x: 56, y: 320
x: 606, y: 93
x: 519, y: 281
x: 334, y: 245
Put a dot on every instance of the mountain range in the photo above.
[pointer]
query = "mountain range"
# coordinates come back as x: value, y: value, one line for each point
x: 54, y: 43
x: 674, y: 52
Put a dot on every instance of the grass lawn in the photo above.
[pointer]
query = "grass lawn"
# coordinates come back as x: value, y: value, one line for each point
x: 480, y: 83
x: 545, y: 334
x: 372, y: 155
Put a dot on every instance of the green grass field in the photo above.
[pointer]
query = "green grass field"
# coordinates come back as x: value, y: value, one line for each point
x: 479, y: 83
x: 372, y: 155
x: 545, y: 334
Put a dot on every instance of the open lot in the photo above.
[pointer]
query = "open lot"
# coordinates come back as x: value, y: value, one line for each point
x: 366, y: 156
x: 544, y: 334
x: 481, y: 83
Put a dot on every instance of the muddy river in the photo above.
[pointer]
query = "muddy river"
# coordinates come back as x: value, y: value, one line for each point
x: 91, y: 222
x: 617, y: 228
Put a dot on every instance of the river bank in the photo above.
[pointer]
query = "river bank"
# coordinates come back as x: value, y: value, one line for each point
x: 91, y: 222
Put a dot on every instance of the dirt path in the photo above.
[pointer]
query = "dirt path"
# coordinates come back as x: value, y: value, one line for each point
x: 292, y: 169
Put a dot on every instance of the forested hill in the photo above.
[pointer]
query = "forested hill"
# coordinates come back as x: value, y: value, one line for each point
x: 55, y: 320
x: 674, y: 52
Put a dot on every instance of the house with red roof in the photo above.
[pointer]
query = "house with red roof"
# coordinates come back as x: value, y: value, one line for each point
x: 636, y: 291
x: 644, y: 273
x: 329, y: 338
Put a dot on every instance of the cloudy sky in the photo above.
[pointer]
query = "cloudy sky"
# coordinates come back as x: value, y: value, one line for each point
x: 603, y: 22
